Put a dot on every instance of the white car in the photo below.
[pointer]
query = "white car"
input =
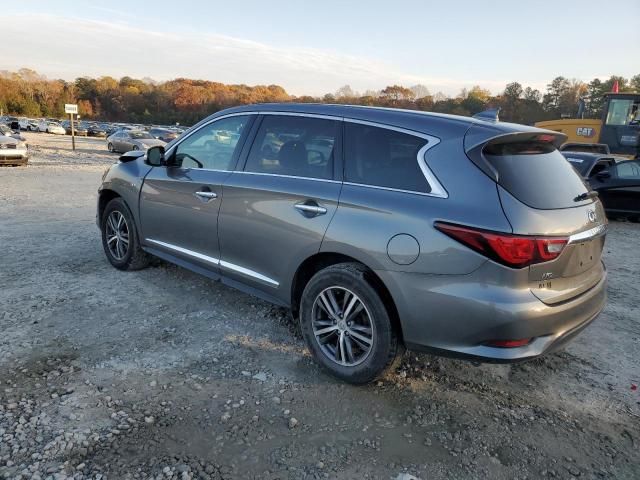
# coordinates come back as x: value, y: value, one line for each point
x: 51, y: 127
x: 13, y: 151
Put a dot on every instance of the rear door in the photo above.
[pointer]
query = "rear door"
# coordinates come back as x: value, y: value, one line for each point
x: 179, y: 203
x: 276, y: 210
x: 619, y: 188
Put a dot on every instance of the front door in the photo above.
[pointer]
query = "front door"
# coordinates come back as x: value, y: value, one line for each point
x: 276, y: 210
x: 179, y: 203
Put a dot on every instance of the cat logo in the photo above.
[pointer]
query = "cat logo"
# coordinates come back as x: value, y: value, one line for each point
x: 587, y: 132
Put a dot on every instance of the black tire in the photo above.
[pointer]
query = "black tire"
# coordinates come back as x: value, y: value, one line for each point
x: 134, y: 258
x: 634, y: 219
x: 135, y: 147
x: 386, y: 345
x: 110, y: 147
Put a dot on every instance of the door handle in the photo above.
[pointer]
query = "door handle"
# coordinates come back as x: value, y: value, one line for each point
x: 207, y: 195
x: 310, y: 210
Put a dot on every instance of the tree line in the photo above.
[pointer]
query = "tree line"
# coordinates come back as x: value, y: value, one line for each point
x: 185, y: 101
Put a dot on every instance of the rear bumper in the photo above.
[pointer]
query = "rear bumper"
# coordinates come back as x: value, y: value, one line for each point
x: 456, y: 315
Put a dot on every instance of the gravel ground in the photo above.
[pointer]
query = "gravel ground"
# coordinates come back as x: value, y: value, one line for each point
x: 164, y: 374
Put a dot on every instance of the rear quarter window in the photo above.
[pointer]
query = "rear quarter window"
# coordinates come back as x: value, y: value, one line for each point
x: 536, y: 173
x: 384, y: 158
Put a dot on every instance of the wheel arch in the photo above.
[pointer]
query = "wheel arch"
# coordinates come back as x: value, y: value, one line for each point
x: 104, y: 197
x: 309, y: 267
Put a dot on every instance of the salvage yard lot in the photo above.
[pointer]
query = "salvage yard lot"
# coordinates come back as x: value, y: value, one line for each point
x: 162, y: 373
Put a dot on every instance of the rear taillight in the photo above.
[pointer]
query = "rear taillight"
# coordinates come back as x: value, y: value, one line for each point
x: 509, y: 343
x: 512, y: 250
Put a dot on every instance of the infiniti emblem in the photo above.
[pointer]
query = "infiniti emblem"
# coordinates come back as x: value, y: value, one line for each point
x: 592, y: 215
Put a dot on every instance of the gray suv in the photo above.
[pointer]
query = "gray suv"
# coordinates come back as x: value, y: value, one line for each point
x: 381, y: 229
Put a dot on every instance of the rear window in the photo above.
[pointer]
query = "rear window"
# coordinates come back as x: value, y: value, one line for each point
x: 536, y: 174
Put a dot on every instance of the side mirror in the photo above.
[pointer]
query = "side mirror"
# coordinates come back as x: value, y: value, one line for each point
x: 155, y: 156
x: 603, y: 174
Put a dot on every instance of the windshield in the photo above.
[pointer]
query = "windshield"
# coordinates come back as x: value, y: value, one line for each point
x: 140, y: 135
x: 623, y: 111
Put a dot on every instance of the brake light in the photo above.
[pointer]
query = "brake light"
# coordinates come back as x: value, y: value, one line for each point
x: 509, y: 343
x: 546, y: 138
x: 511, y: 250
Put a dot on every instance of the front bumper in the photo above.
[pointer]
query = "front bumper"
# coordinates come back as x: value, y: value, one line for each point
x: 13, y: 156
x: 456, y: 315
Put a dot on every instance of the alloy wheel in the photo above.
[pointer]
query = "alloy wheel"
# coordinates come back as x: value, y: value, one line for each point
x: 342, y: 326
x: 117, y: 234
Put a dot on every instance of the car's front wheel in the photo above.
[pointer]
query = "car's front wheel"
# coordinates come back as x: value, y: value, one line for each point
x: 120, y: 238
x: 110, y: 147
x: 346, y: 325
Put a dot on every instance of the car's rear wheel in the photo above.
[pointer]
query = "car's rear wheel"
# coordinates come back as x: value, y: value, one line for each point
x: 346, y: 324
x: 120, y: 238
x: 135, y: 147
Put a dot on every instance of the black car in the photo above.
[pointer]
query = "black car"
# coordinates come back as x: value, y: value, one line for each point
x: 601, y: 148
x: 616, y: 180
x: 95, y: 130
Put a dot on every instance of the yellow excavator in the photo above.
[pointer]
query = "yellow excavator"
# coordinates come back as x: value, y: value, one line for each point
x: 618, y: 131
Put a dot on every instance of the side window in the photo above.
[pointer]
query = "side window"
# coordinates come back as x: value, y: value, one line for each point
x: 213, y: 146
x: 294, y: 145
x: 383, y: 158
x: 627, y: 170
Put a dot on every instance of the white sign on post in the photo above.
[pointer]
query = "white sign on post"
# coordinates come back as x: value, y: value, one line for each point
x: 70, y: 108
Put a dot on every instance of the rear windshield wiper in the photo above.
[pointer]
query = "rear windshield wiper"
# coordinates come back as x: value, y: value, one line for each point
x: 586, y: 196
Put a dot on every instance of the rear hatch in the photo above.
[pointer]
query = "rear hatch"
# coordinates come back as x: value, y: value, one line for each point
x: 542, y: 195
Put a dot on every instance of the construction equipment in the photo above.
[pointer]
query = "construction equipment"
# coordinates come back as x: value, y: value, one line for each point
x: 619, y: 127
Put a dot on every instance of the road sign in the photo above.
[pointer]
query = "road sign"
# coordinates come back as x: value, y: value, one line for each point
x: 70, y: 108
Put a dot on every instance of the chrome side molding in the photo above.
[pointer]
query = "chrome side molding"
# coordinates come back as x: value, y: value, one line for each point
x: 216, y: 261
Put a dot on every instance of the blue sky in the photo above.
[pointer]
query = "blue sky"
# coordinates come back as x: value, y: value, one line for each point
x: 316, y: 47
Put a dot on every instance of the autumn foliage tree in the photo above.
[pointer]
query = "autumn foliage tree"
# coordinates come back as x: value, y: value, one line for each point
x: 186, y: 101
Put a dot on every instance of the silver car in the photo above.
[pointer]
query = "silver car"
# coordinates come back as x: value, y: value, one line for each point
x: 381, y: 229
x: 13, y: 151
x: 128, y: 140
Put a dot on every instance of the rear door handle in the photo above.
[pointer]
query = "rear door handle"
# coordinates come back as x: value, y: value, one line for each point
x: 207, y: 195
x: 310, y: 210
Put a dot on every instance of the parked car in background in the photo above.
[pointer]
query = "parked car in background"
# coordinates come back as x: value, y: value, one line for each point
x: 95, y: 130
x: 51, y: 127
x: 13, y: 151
x: 616, y: 180
x: 126, y: 140
x: 380, y: 228
x: 7, y: 132
x: 79, y: 128
x: 28, y: 124
x: 163, y: 134
x: 601, y: 148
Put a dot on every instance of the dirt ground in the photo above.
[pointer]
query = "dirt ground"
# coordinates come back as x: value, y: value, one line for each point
x: 164, y: 374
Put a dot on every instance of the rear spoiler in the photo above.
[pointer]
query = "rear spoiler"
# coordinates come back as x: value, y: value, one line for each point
x: 479, y: 136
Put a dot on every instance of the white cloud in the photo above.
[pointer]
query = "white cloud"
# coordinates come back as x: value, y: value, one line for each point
x: 66, y: 48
